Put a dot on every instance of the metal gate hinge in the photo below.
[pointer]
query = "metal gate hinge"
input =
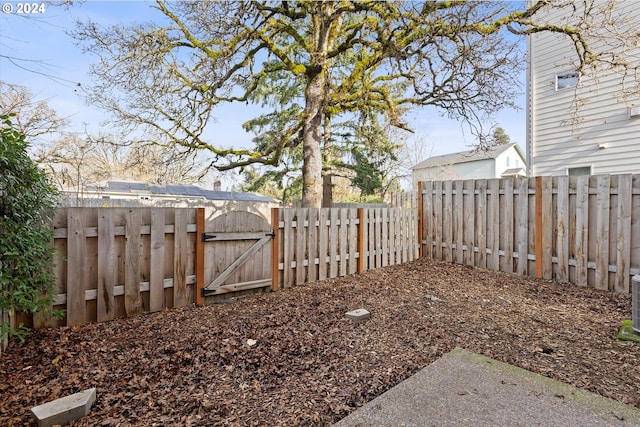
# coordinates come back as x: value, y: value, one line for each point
x: 208, y: 237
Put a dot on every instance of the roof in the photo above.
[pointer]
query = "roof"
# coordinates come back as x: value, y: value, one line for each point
x: 177, y: 190
x: 514, y: 172
x: 468, y: 156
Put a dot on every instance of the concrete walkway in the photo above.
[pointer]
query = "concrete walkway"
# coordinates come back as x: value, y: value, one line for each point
x: 467, y: 389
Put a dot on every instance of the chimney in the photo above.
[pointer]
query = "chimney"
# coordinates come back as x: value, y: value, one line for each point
x: 217, y: 185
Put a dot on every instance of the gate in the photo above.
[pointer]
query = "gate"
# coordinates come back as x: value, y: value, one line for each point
x: 236, y: 252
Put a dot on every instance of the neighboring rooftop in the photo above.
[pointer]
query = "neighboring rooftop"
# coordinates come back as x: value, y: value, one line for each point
x: 467, y: 156
x: 183, y: 191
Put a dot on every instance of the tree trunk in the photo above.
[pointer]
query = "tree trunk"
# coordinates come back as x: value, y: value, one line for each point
x: 327, y: 181
x: 311, y: 139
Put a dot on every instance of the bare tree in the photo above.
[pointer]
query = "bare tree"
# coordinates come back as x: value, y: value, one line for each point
x: 33, y: 118
x: 76, y: 161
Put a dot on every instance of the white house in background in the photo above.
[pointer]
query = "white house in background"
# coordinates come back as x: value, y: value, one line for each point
x: 601, y: 136
x: 496, y: 162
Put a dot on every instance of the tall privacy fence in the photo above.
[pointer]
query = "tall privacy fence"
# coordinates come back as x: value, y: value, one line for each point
x: 583, y: 230
x: 118, y: 262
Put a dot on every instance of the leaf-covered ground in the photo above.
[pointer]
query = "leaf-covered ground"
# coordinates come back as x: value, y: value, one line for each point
x: 292, y: 358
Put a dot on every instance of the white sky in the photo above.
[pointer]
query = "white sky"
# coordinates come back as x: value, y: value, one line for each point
x: 42, y: 41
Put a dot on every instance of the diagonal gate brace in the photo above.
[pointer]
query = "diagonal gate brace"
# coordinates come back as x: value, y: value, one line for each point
x: 234, y: 266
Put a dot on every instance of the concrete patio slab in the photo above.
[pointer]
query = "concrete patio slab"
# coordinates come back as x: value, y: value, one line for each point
x: 467, y: 389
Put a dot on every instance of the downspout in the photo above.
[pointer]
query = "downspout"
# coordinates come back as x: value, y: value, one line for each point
x: 529, y: 105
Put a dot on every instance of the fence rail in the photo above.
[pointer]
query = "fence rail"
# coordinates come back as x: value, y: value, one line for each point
x: 579, y: 229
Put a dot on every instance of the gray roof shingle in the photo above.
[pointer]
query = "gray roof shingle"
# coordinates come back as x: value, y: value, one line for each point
x: 180, y: 190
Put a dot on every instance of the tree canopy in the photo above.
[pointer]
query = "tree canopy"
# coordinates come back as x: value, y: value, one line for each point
x: 311, y: 60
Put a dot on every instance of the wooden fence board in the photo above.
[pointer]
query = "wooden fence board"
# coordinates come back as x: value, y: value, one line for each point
x: 623, y: 233
x: 522, y: 240
x: 288, y: 248
x: 437, y: 220
x: 353, y: 242
x: 507, y: 221
x: 427, y: 219
x: 447, y: 222
x: 156, y: 277
x: 386, y: 247
x: 76, y: 242
x: 132, y: 296
x: 323, y: 244
x: 582, y: 230
x: 602, y: 232
x: 180, y: 259
x: 395, y: 225
x: 391, y: 216
x: 343, y: 246
x: 378, y: 238
x: 413, y: 225
x: 371, y: 236
x: 276, y: 250
x: 301, y: 244
x: 467, y: 208
x: 547, y: 228
x: 459, y: 214
x: 562, y: 228
x: 312, y: 269
x: 106, y: 266
x: 493, y: 224
x: 334, y: 240
x: 481, y: 222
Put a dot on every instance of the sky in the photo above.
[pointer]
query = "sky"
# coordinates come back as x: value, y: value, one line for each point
x: 51, y: 66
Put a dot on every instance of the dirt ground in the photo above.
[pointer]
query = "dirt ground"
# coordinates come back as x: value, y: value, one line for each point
x: 291, y: 357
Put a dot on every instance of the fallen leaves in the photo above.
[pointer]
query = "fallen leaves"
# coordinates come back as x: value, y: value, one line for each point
x: 291, y: 358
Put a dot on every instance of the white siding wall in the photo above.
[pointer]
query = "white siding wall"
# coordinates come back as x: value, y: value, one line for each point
x: 561, y: 139
x: 469, y: 170
x: 501, y: 163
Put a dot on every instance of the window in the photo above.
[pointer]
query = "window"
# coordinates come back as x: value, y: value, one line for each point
x: 508, y: 161
x: 567, y: 79
x: 583, y: 170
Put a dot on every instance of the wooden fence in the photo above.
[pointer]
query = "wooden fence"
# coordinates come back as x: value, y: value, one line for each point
x: 579, y: 229
x: 317, y: 244
x: 118, y: 262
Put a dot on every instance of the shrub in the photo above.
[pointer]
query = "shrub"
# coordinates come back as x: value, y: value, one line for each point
x: 28, y: 201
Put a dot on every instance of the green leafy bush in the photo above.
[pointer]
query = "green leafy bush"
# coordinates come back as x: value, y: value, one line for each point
x: 28, y: 201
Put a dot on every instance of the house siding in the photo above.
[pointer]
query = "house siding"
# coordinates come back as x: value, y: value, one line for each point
x: 560, y: 139
x: 469, y: 170
x: 473, y: 169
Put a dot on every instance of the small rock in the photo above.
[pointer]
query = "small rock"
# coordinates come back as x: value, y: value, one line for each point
x: 358, y: 315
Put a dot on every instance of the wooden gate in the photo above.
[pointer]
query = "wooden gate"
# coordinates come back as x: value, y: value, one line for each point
x: 236, y: 252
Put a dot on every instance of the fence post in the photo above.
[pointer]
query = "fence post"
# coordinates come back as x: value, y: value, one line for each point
x: 420, y: 219
x: 199, y: 256
x: 361, y: 231
x: 538, y: 227
x: 275, y: 246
